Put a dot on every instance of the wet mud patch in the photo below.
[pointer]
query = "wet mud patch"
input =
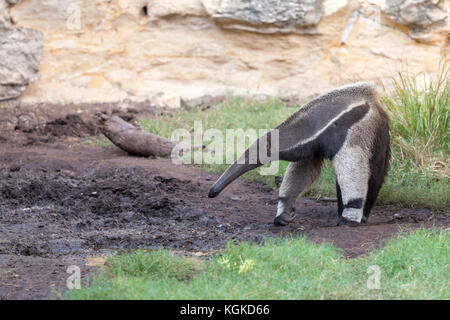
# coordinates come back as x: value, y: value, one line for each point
x: 29, y: 131
x: 27, y: 125
x: 70, y: 126
x: 109, y: 207
x: 62, y: 203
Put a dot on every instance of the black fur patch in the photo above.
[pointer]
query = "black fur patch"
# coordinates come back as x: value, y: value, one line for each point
x: 307, y: 121
x: 355, y: 203
x: 378, y: 164
x: 345, y: 222
x: 339, y: 200
x: 329, y: 142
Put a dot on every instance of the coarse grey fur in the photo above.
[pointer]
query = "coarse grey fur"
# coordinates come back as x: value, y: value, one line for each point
x: 346, y: 125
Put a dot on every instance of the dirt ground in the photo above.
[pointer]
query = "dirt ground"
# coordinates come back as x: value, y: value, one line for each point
x: 63, y: 202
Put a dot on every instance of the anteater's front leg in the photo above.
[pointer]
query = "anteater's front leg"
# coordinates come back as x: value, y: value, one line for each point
x: 298, y: 177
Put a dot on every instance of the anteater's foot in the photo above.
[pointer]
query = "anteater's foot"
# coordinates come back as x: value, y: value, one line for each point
x: 283, y: 219
x: 345, y: 222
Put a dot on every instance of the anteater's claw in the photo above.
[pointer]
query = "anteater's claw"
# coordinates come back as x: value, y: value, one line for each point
x: 345, y: 222
x: 283, y: 219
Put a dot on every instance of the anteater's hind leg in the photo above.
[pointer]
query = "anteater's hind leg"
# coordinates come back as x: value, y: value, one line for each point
x: 351, y: 165
x: 379, y: 165
x: 340, y: 204
x: 339, y: 200
x: 298, y: 177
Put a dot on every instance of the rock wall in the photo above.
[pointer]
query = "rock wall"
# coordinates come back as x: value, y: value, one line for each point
x: 20, y: 54
x: 164, y: 51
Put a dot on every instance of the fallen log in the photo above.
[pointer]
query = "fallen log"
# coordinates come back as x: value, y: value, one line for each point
x: 133, y: 139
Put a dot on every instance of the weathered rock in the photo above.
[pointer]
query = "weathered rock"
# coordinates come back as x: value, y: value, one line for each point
x: 269, y: 16
x: 161, y: 9
x: 416, y: 13
x: 20, y: 54
x: 166, y: 52
x: 4, y: 16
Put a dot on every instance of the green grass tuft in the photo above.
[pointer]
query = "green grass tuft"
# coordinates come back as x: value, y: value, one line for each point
x: 419, y: 109
x: 159, y: 264
x: 412, y: 266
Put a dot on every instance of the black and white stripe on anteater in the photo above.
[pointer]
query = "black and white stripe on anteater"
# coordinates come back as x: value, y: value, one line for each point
x: 347, y: 126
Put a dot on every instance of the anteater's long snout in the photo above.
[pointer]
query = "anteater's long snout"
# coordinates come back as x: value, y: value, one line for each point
x: 232, y: 173
x: 251, y: 159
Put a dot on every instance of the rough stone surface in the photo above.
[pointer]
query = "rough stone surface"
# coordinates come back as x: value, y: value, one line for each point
x: 165, y: 52
x: 417, y: 12
x: 4, y: 16
x: 20, y: 54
